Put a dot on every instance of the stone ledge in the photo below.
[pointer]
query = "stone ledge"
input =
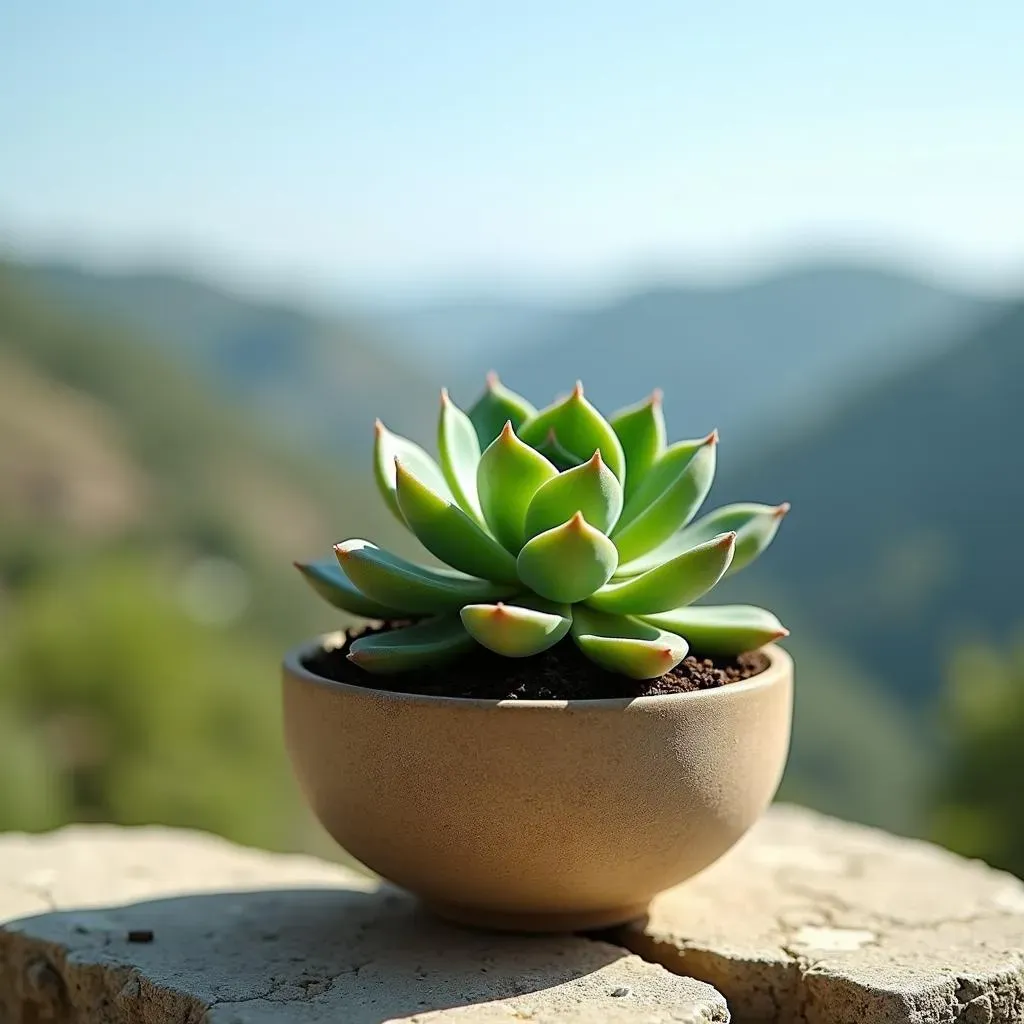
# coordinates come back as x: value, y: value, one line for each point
x: 807, y: 921
x: 146, y: 926
x: 817, y: 921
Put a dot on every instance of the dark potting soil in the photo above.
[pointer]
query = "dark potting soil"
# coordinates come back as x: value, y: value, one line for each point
x: 560, y: 673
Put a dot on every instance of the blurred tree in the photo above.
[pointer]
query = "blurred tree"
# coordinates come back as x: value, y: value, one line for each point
x: 115, y: 705
x: 979, y: 810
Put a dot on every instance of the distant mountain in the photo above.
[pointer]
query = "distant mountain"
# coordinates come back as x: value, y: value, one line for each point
x: 470, y: 329
x: 743, y: 357
x: 322, y: 378
x: 905, y: 538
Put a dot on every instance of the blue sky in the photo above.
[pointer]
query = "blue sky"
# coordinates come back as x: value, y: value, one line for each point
x: 360, y: 147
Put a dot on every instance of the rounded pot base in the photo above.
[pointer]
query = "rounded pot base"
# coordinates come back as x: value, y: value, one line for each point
x: 514, y: 921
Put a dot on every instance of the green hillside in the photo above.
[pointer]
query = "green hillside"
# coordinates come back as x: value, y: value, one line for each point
x: 905, y: 538
x: 318, y: 377
x: 146, y: 589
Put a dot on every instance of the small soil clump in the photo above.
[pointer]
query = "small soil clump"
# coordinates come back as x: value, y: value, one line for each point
x: 560, y: 673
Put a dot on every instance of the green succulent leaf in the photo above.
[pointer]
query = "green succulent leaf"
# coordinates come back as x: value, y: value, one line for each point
x: 725, y: 629
x: 388, y: 447
x: 509, y: 474
x: 553, y: 451
x: 592, y: 489
x: 496, y: 407
x: 677, y: 582
x: 640, y: 429
x: 432, y: 642
x: 625, y: 645
x: 327, y: 579
x: 447, y: 532
x: 422, y: 590
x: 670, y: 494
x: 580, y: 429
x: 755, y: 527
x: 568, y: 563
x: 459, y: 449
x: 517, y: 630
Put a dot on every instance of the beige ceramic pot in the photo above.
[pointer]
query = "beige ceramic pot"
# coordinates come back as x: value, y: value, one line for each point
x: 537, y: 815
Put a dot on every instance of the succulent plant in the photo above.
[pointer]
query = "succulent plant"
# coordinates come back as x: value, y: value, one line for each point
x: 551, y: 523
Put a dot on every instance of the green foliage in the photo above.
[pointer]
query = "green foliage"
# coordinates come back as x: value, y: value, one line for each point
x: 978, y: 808
x: 533, y: 519
x: 119, y: 703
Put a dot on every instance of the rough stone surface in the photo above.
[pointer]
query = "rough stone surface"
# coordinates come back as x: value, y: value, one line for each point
x: 817, y: 921
x: 145, y: 926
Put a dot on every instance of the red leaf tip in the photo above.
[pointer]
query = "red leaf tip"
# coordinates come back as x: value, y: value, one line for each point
x: 508, y: 431
x: 712, y: 438
x: 577, y: 391
x: 781, y: 510
x: 656, y: 397
x: 444, y: 397
x: 493, y: 380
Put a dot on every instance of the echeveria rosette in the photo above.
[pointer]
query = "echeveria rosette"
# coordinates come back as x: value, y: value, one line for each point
x: 551, y: 524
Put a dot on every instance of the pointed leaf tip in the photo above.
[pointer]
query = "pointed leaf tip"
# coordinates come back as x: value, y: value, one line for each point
x: 569, y: 562
x: 590, y: 489
x: 657, y: 396
x: 712, y: 438
x: 509, y: 473
x: 331, y: 582
x: 417, y: 589
x: 721, y: 629
x: 622, y: 644
x: 496, y: 405
x: 667, y: 497
x: 782, y: 510
x: 517, y: 630
x: 580, y: 428
x: 677, y: 582
x: 445, y: 398
x: 449, y: 533
x: 492, y: 379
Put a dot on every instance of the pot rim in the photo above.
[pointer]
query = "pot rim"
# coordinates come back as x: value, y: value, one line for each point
x: 780, y: 668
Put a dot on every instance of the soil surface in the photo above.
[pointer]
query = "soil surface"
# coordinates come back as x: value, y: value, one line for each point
x: 560, y: 673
